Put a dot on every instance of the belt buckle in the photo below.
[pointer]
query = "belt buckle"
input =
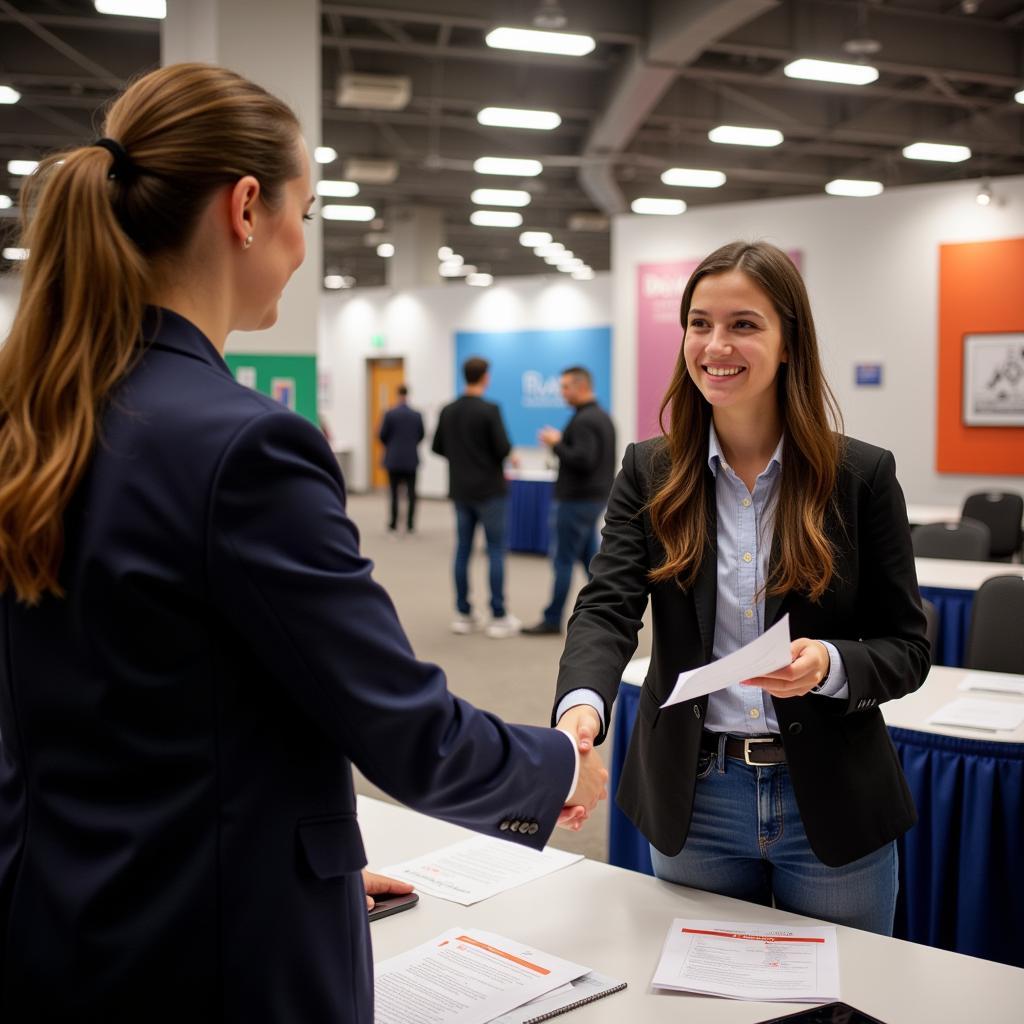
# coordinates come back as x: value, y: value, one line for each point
x: 746, y: 752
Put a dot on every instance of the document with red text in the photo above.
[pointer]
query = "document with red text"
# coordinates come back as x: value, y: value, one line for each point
x: 465, y: 976
x: 790, y: 963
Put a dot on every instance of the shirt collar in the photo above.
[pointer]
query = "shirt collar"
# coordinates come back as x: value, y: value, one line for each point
x: 716, y: 458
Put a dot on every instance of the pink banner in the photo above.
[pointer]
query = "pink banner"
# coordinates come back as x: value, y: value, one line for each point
x: 659, y: 334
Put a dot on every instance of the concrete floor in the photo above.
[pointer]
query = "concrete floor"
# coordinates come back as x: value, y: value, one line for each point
x: 515, y: 677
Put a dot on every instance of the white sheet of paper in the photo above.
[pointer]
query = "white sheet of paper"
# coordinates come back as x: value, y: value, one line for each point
x: 978, y: 713
x: 769, y: 652
x: 992, y: 682
x: 465, y: 976
x: 751, y: 961
x: 477, y: 868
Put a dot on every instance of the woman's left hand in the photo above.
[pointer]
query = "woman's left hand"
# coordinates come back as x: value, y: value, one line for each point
x: 377, y: 885
x: 809, y: 666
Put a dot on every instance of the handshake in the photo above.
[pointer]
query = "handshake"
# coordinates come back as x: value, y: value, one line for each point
x: 582, y: 724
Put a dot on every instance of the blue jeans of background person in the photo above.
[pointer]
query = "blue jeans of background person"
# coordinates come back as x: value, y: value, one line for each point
x: 747, y: 840
x: 575, y: 536
x: 492, y: 515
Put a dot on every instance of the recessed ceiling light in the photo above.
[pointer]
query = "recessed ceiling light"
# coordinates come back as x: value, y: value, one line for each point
x: 21, y: 167
x: 446, y: 252
x: 548, y: 248
x: 568, y: 44
x: 479, y: 280
x: 521, y: 168
x: 496, y: 218
x: 500, y: 197
x: 1019, y: 96
x: 340, y: 211
x: 337, y: 189
x: 133, y: 8
x: 512, y: 117
x: 854, y: 187
x: 335, y: 281
x: 386, y: 250
x: 460, y: 269
x: 532, y: 239
x: 6, y: 202
x: 984, y: 195
x: 660, y: 207
x: 583, y: 273
x: 15, y: 254
x: 937, y: 151
x: 831, y: 71
x: 8, y: 94
x: 690, y: 177
x: 734, y: 135
x: 325, y: 155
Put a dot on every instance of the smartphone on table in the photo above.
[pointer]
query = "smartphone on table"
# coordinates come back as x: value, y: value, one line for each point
x: 388, y: 903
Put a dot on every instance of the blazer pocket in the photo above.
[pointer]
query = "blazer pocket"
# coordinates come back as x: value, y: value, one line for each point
x: 650, y: 706
x: 333, y: 846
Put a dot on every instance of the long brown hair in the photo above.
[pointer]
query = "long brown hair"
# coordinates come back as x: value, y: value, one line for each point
x: 97, y: 229
x: 812, y: 428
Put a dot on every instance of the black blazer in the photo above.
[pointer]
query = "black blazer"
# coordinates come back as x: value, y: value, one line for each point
x: 471, y: 436
x: 850, y: 789
x: 401, y: 431
x: 178, y: 834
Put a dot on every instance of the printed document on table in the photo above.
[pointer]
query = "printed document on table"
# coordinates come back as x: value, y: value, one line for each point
x: 978, y: 713
x: 476, y: 869
x: 465, y: 976
x: 768, y: 653
x: 788, y: 963
x: 993, y: 682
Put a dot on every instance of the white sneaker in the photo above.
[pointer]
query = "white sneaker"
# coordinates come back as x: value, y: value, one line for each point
x: 501, y: 629
x: 465, y: 624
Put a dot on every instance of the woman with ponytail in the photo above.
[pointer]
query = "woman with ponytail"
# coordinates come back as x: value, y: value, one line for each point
x: 782, y: 789
x: 192, y: 649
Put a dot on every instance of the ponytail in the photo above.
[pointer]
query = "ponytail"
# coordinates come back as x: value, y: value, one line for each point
x: 95, y: 220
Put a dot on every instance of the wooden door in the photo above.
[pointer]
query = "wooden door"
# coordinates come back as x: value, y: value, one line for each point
x: 383, y: 379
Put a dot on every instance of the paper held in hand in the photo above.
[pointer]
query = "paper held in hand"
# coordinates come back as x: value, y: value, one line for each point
x: 744, y: 960
x: 768, y: 653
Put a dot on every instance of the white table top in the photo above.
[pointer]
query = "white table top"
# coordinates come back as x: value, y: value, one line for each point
x: 532, y: 475
x: 920, y: 515
x: 912, y: 711
x: 955, y: 574
x: 615, y: 921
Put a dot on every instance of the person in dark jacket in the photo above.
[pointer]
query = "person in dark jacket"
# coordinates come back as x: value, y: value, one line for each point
x: 471, y: 436
x: 401, y: 431
x: 193, y: 650
x: 586, y: 468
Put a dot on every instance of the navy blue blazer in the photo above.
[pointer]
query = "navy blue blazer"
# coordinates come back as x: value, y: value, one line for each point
x: 178, y: 834
x: 401, y: 431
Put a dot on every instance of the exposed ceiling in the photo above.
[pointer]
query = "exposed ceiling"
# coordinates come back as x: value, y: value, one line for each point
x: 664, y: 73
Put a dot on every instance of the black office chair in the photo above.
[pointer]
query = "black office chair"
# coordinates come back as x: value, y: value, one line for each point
x: 1001, y: 512
x: 966, y: 539
x: 931, y: 629
x: 996, y: 639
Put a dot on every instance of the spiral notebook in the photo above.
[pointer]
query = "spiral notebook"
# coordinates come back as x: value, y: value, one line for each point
x: 587, y: 989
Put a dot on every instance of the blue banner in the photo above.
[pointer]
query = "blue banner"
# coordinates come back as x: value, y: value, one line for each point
x: 526, y: 367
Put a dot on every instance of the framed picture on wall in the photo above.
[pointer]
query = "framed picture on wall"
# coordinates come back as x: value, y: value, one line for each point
x: 994, y: 380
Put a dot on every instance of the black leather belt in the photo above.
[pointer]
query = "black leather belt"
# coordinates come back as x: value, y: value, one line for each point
x: 752, y: 750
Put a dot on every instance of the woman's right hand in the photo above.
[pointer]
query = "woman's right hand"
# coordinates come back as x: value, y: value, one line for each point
x: 582, y: 723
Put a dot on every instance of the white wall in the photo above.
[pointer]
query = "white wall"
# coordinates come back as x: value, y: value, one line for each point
x: 872, y: 270
x: 10, y: 289
x: 420, y: 325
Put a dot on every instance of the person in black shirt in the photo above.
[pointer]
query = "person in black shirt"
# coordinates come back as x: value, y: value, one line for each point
x: 586, y: 468
x: 401, y: 431
x: 471, y: 436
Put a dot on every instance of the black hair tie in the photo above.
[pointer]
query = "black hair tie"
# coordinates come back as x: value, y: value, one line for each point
x: 123, y: 168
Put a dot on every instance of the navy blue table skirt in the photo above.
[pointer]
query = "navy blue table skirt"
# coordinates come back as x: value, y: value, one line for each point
x: 529, y: 509
x: 954, y: 608
x: 961, y: 866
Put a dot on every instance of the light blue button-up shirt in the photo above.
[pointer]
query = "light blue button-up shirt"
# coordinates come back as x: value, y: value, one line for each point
x: 745, y: 527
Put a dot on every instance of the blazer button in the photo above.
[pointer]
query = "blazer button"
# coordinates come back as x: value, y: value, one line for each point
x: 696, y: 711
x: 503, y: 827
x: 795, y: 728
x: 514, y: 826
x: 533, y: 829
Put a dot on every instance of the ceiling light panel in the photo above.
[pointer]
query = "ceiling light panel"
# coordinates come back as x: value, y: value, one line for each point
x: 341, y: 211
x: 937, y: 151
x: 831, y: 71
x: 496, y: 219
x: 6, y: 202
x: 508, y: 165
x: 690, y: 177
x: 566, y: 44
x: 735, y: 135
x: 532, y: 239
x: 479, y: 280
x: 133, y: 8
x: 854, y: 187
x: 658, y: 207
x: 19, y: 168
x: 337, y: 189
x: 514, y: 117
x: 9, y: 95
x: 500, y: 197
x: 325, y: 154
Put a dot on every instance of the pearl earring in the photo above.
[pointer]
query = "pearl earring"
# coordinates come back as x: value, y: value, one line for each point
x: 247, y: 242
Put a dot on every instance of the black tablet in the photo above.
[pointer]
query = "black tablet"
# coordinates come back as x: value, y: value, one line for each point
x: 829, y: 1013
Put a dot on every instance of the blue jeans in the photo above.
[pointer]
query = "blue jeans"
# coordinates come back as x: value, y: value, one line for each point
x: 575, y: 534
x: 746, y: 840
x: 492, y: 514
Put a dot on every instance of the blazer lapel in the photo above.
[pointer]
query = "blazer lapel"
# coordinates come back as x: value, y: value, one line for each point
x: 705, y: 590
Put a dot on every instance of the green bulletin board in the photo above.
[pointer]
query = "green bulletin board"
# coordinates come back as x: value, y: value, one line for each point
x: 290, y: 379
